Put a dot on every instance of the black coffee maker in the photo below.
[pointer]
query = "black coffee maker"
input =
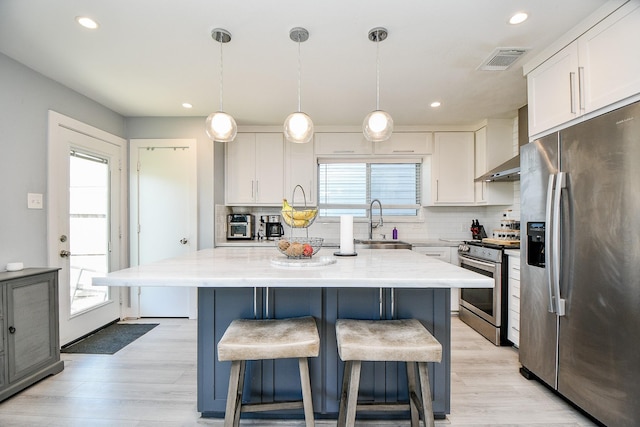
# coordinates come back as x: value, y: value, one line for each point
x: 273, y: 229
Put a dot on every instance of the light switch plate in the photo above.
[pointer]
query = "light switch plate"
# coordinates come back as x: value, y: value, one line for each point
x: 34, y: 200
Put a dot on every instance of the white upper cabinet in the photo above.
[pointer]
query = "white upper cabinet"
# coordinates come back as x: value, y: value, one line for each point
x: 254, y: 169
x: 600, y: 68
x: 609, y: 54
x: 336, y: 143
x: 300, y: 168
x: 453, y: 169
x: 405, y: 143
x: 551, y: 91
x: 493, y: 144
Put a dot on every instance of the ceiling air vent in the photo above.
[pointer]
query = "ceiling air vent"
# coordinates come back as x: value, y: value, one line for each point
x: 502, y: 58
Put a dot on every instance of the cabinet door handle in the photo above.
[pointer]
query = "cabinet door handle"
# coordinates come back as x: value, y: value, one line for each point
x: 403, y: 151
x: 572, y: 80
x: 581, y: 88
x: 343, y: 151
x: 12, y: 330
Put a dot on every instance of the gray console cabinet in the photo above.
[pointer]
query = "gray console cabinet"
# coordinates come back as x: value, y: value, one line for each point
x: 30, y: 348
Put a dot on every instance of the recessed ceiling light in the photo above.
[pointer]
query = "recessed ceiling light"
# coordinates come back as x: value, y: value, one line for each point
x: 435, y: 104
x: 518, y: 18
x: 187, y: 105
x: 87, y: 22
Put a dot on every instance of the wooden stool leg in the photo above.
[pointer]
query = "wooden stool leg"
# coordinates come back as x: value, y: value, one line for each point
x: 342, y: 410
x: 416, y: 406
x: 234, y: 395
x: 305, y: 383
x: 352, y: 393
x: 425, y: 388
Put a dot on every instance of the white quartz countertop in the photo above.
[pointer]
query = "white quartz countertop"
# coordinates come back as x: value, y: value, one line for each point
x: 253, y: 267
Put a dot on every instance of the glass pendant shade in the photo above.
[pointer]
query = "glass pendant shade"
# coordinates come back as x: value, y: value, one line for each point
x: 377, y: 126
x: 298, y: 128
x: 221, y: 127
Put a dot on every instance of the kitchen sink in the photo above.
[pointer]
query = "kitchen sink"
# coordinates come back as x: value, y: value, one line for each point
x: 382, y: 244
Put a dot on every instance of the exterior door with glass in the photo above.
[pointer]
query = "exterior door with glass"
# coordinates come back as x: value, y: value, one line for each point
x: 84, y: 222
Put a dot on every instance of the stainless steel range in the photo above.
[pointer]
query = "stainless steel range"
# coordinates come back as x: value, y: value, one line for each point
x: 485, y: 310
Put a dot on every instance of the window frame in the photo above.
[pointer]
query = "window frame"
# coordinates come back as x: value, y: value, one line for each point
x: 419, y: 182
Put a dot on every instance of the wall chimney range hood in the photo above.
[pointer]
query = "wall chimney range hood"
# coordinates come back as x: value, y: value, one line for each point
x: 510, y: 170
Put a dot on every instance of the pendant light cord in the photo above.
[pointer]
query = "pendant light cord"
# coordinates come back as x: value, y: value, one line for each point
x: 377, y: 70
x: 221, y: 77
x: 299, y: 72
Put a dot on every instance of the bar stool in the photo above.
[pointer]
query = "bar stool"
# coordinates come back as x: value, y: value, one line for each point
x: 386, y: 341
x: 247, y: 339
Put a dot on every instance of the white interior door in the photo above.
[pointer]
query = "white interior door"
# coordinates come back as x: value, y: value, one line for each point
x: 163, y: 218
x: 85, y: 216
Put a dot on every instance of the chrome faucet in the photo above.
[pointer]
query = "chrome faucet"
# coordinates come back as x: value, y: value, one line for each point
x: 379, y: 223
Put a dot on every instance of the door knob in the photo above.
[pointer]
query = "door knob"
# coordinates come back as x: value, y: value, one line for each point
x: 64, y: 254
x: 184, y: 241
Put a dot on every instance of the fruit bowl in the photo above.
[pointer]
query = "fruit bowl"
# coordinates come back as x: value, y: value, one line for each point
x: 299, y: 248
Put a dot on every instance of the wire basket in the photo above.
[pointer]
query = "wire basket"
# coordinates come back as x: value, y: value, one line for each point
x: 296, y: 217
x: 299, y: 248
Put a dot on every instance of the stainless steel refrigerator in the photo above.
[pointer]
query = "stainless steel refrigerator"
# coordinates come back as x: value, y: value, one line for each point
x: 580, y: 265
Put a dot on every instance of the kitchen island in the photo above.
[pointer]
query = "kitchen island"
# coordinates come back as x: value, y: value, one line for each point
x: 253, y: 283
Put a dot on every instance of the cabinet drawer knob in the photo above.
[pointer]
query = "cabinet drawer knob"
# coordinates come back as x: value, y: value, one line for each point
x: 12, y: 330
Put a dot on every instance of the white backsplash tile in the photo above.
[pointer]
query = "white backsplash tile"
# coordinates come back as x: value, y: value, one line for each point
x: 438, y: 223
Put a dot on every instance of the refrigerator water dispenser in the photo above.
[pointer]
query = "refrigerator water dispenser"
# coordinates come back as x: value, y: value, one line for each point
x: 535, y: 244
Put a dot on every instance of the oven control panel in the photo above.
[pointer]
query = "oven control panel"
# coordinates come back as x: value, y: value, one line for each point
x: 480, y: 252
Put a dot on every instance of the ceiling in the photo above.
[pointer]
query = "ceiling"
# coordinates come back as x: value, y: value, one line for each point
x: 149, y: 56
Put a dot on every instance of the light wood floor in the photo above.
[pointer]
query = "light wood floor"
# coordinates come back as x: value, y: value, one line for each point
x: 152, y: 382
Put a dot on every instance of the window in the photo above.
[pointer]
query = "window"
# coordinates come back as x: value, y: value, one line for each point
x: 347, y: 187
x: 89, y: 228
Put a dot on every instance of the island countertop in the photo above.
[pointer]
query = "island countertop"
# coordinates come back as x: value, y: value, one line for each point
x: 254, y: 267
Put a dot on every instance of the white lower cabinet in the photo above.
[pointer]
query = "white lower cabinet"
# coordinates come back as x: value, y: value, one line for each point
x: 513, y: 304
x: 446, y: 254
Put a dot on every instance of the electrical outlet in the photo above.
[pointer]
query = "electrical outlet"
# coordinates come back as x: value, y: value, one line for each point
x: 463, y: 226
x: 34, y: 200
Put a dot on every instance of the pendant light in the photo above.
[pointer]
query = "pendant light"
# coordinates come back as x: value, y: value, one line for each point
x: 378, y: 124
x: 221, y: 126
x: 298, y: 126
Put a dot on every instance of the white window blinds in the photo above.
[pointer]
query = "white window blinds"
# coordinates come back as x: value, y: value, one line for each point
x: 347, y: 187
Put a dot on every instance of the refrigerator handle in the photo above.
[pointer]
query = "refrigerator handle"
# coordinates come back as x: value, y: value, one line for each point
x: 548, y: 244
x: 561, y: 182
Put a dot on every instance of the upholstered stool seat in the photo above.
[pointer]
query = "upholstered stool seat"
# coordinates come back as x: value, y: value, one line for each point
x: 247, y: 339
x: 405, y: 340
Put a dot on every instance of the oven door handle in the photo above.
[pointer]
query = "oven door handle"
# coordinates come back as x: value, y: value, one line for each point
x: 478, y: 264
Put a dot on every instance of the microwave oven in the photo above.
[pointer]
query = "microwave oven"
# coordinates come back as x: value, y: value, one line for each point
x: 240, y: 226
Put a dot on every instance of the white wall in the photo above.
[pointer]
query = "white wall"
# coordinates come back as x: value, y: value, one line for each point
x: 26, y: 96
